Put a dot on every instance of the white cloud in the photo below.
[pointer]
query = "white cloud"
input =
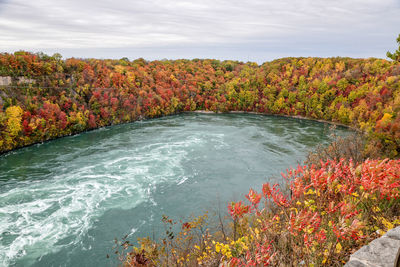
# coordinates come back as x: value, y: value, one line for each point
x: 153, y: 26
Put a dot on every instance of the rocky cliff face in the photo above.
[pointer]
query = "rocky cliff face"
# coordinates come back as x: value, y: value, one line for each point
x: 4, y: 81
x: 8, y: 80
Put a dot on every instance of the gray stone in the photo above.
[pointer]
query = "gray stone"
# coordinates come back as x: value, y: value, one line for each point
x: 355, y: 263
x: 5, y: 80
x: 394, y: 233
x: 23, y: 80
x: 380, y: 252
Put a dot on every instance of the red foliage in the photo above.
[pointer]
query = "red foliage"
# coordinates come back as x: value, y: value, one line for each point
x: 238, y: 209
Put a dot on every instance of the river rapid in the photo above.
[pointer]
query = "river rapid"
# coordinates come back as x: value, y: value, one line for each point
x: 63, y: 202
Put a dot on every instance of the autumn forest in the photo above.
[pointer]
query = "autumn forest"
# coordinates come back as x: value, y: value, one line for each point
x: 63, y: 97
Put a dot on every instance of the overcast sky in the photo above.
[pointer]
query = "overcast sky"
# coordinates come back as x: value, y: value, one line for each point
x: 254, y: 30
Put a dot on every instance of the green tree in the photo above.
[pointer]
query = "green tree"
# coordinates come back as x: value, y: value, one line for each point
x: 396, y: 55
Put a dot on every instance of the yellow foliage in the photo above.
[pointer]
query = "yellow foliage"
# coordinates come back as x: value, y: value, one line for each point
x: 119, y: 69
x: 338, y: 247
x: 340, y: 66
x: 387, y: 223
x: 385, y: 119
x: 223, y: 249
x: 309, y: 192
x: 14, y: 115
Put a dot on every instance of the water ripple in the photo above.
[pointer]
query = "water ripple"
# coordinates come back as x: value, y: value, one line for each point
x: 54, y: 195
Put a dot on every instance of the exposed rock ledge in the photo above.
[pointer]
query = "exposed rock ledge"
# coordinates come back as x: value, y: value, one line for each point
x: 382, y: 251
x: 8, y: 80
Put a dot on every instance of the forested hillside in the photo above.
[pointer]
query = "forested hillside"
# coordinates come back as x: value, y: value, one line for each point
x: 44, y: 97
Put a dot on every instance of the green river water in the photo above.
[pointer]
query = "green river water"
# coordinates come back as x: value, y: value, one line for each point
x: 63, y: 202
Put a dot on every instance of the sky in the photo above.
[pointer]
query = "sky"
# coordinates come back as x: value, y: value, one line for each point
x: 252, y: 30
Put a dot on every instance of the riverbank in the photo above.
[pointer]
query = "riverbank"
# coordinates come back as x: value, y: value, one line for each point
x: 196, y: 112
x: 277, y: 115
x: 339, y: 95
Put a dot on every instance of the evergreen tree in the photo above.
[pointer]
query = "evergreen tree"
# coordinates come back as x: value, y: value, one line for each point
x: 396, y: 55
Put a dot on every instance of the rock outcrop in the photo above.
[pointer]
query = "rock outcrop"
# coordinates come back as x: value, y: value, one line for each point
x: 382, y: 251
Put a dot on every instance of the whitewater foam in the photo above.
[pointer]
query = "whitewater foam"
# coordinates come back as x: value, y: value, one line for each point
x: 42, y: 213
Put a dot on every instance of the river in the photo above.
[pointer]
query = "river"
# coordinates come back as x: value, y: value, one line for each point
x: 63, y: 202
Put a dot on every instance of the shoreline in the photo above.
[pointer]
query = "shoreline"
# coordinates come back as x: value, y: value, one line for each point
x: 276, y: 115
x: 4, y: 153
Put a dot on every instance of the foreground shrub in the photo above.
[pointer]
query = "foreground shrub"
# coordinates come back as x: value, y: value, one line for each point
x: 347, y: 147
x: 329, y: 212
